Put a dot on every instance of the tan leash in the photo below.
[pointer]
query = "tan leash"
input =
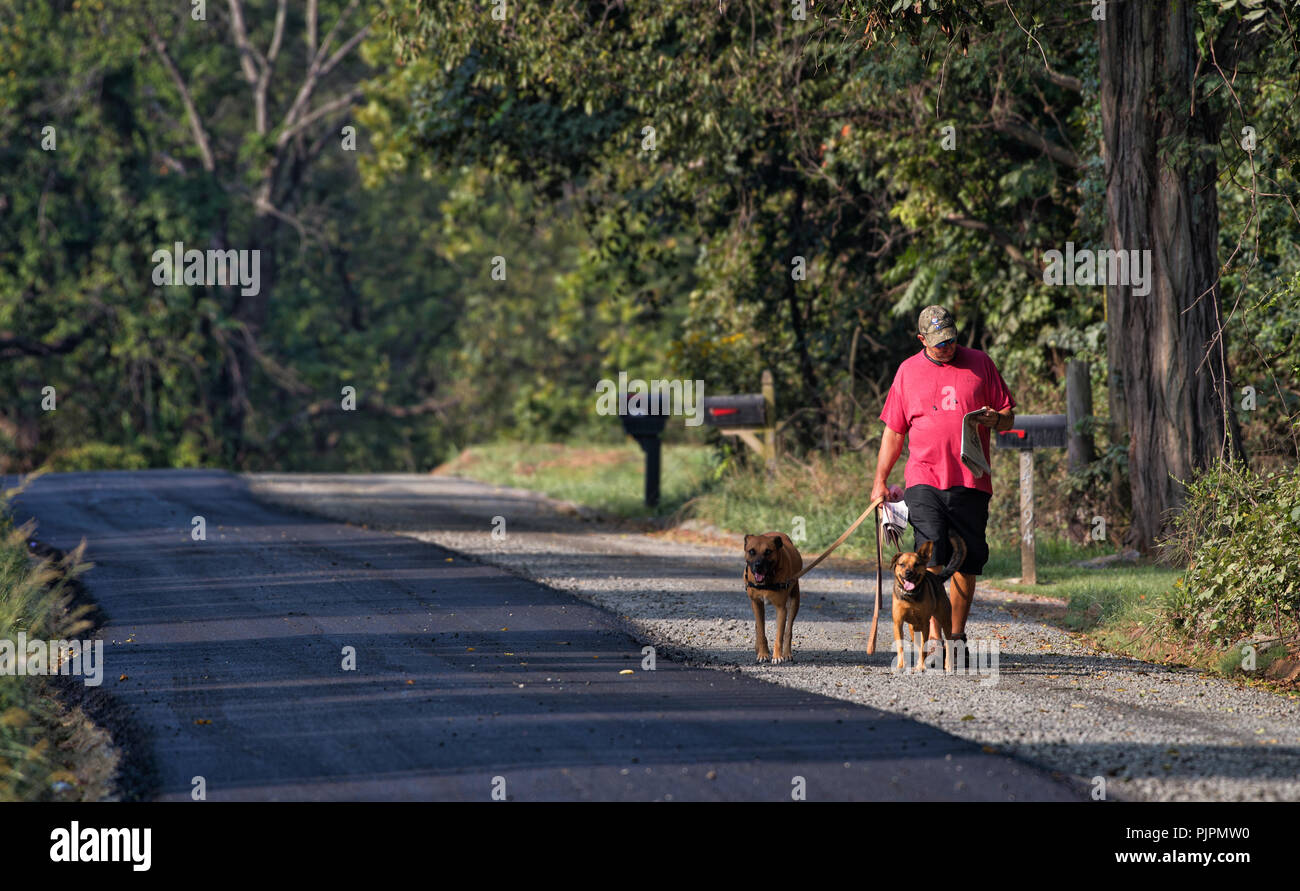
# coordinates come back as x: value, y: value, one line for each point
x: 880, y: 581
x: 839, y: 541
x: 875, y: 619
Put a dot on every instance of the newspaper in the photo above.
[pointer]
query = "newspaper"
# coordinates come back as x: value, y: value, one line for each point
x: 972, y: 450
x: 893, y: 521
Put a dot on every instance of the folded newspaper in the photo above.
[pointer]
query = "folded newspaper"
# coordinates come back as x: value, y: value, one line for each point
x: 893, y: 521
x: 972, y: 450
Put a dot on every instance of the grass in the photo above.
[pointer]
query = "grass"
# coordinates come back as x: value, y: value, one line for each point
x: 610, y: 479
x: 1095, y: 597
x: 38, y: 760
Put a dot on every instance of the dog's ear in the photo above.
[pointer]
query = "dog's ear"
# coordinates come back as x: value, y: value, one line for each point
x: 894, y: 562
x: 747, y: 538
x: 924, y: 551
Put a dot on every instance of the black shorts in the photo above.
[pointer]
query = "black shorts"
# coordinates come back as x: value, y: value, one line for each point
x: 934, y: 512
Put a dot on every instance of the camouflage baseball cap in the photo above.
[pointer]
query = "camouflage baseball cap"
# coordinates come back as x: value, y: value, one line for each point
x: 937, y: 324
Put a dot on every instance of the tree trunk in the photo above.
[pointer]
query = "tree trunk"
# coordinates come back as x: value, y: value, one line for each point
x: 1160, y: 197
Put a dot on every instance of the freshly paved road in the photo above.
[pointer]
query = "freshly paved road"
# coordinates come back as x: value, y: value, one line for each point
x: 464, y: 673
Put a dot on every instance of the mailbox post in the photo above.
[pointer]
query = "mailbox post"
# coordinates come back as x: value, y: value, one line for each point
x: 1031, y: 432
x: 646, y: 430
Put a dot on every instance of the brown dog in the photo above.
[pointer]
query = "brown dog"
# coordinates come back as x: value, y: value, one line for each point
x: 772, y: 563
x: 919, y: 594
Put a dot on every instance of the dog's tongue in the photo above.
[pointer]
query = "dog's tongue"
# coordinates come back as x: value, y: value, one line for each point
x: 758, y: 577
x: 909, y: 586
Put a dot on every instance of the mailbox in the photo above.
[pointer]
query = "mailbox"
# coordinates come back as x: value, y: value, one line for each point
x: 735, y: 411
x: 645, y: 429
x: 638, y: 426
x: 1035, y: 432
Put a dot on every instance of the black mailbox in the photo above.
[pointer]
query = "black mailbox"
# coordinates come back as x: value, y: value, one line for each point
x: 645, y: 429
x: 644, y: 425
x: 735, y: 411
x: 1035, y: 432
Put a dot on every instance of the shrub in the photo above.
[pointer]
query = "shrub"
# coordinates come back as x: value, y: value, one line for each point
x: 1239, y: 532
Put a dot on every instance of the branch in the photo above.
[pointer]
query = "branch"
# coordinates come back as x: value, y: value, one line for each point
x: 196, y: 124
x: 1064, y: 80
x: 323, y: 111
x: 311, y: 29
x: 16, y: 347
x: 1033, y: 138
x: 332, y: 406
x: 250, y: 60
x: 344, y: 50
x: 277, y: 35
x: 314, y: 72
x: 966, y: 222
x: 257, y: 71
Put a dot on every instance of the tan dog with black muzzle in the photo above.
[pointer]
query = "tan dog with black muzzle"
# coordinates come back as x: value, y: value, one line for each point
x: 919, y: 594
x: 772, y: 565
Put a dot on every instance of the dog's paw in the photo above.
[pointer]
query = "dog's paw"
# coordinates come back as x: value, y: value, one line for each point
x: 777, y: 660
x: 762, y: 657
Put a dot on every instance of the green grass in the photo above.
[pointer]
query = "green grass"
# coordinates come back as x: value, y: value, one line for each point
x: 1095, y: 597
x: 32, y: 601
x: 610, y: 479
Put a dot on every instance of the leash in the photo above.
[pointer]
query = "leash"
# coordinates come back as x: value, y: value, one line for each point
x: 839, y: 541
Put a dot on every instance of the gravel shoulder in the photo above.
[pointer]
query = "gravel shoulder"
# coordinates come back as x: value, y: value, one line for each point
x: 1153, y: 732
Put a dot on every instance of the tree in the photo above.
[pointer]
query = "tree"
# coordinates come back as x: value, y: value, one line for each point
x: 1171, y: 380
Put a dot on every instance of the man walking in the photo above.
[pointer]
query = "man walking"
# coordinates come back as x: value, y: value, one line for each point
x: 932, y: 393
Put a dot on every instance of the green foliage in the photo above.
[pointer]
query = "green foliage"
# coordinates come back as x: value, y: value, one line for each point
x: 1239, y: 533
x: 33, y: 600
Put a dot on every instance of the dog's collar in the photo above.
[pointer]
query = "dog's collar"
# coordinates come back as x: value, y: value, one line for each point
x: 770, y: 586
x: 904, y: 594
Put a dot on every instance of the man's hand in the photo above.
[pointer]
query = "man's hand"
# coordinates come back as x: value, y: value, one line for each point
x: 990, y: 418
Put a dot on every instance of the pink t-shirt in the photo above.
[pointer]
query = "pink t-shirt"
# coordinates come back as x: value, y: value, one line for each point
x: 927, y: 402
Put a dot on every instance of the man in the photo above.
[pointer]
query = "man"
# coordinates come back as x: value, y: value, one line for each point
x: 932, y: 393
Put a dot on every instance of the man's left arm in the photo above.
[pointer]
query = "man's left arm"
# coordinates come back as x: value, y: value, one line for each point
x: 1001, y: 420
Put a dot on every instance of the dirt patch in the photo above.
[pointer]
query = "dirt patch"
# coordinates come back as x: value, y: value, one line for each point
x: 450, y: 468
x: 566, y: 458
x: 586, y: 458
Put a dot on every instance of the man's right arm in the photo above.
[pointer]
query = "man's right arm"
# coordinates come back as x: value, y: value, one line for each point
x: 891, y: 446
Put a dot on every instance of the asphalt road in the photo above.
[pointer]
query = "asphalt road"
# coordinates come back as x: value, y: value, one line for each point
x: 233, y: 647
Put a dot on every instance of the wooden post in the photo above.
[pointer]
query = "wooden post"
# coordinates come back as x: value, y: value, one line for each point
x: 1078, y: 406
x: 1028, y: 568
x: 769, y: 406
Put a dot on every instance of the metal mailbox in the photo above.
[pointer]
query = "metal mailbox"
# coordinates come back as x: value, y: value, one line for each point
x: 638, y: 426
x: 646, y: 429
x: 1036, y: 432
x: 735, y: 411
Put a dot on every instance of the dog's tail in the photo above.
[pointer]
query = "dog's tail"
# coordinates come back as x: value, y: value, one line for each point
x: 958, y: 557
